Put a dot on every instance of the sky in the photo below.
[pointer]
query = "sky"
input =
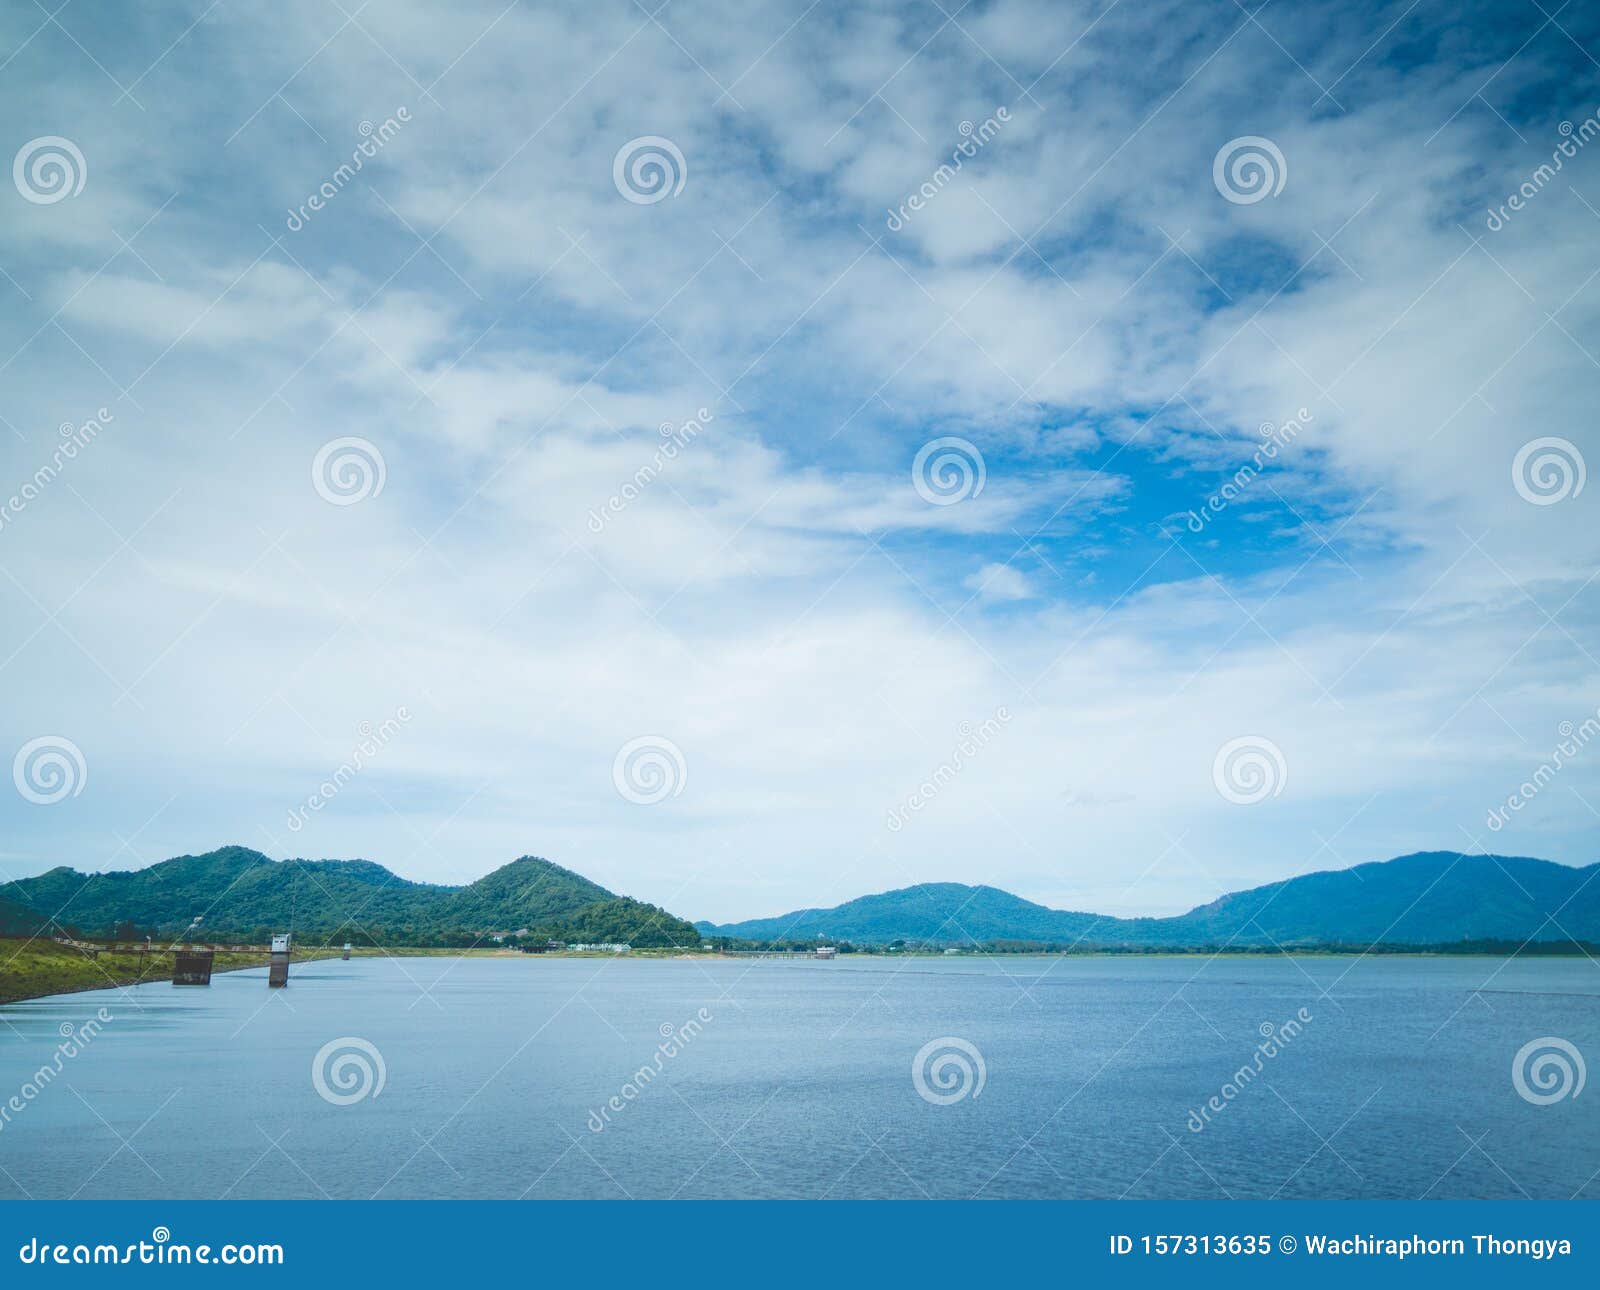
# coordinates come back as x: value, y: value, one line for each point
x: 761, y: 454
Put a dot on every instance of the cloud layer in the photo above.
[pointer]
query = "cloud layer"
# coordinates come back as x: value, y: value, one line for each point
x: 652, y: 464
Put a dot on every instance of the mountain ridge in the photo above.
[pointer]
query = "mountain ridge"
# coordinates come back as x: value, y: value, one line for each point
x: 1427, y: 897
x: 241, y: 892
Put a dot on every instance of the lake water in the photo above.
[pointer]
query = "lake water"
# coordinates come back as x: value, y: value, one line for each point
x: 796, y: 1080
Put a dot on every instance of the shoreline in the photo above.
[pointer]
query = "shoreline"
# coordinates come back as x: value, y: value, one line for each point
x: 60, y: 970
x: 42, y: 969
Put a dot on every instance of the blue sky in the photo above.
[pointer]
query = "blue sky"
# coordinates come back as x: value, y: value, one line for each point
x: 1093, y: 304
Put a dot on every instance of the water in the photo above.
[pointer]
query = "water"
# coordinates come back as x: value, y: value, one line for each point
x: 800, y: 1083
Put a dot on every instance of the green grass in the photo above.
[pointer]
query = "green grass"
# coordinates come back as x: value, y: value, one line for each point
x: 31, y: 969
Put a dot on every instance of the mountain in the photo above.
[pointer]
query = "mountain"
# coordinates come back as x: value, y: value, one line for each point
x: 240, y: 892
x: 521, y: 894
x: 931, y: 911
x: 15, y: 920
x: 1430, y: 898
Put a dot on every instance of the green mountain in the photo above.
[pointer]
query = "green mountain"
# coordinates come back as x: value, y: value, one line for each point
x: 15, y: 920
x: 524, y: 893
x: 1430, y: 898
x: 241, y: 893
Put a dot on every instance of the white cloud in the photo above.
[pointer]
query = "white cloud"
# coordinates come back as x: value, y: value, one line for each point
x: 777, y: 598
x: 999, y: 582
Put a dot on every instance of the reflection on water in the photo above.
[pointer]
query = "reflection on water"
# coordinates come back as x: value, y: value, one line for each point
x: 515, y: 1077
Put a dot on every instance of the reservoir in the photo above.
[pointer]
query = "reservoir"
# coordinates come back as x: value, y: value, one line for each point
x: 539, y: 1078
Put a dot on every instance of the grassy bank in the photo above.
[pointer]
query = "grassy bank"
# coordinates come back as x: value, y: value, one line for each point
x: 31, y: 969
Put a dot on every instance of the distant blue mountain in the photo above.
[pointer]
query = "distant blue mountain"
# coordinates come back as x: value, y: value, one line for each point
x: 1430, y: 898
